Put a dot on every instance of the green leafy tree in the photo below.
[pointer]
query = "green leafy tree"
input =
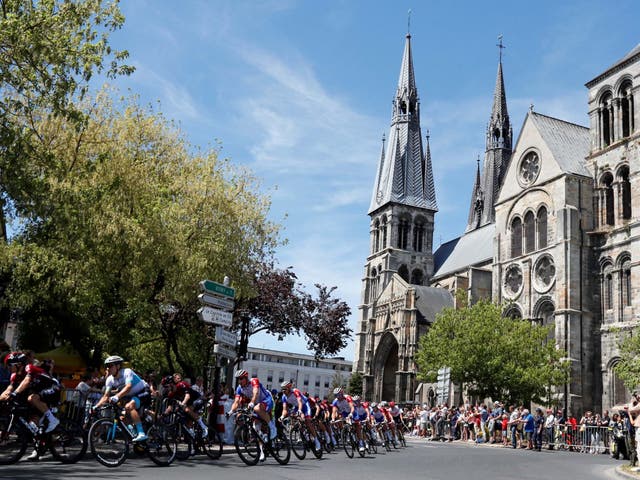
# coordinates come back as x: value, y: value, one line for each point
x: 493, y: 356
x: 355, y: 384
x: 136, y: 217
x: 628, y: 368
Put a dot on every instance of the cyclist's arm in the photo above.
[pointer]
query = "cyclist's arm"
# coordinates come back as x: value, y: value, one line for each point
x: 186, y: 399
x: 5, y: 394
x: 26, y: 381
x: 256, y: 394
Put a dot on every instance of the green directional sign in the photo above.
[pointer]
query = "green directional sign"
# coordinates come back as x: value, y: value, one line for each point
x: 217, y: 289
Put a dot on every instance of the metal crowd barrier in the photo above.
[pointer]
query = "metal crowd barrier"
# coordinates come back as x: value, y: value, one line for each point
x: 581, y: 438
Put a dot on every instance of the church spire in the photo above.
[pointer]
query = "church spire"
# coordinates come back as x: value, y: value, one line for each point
x: 405, y: 174
x: 477, y: 202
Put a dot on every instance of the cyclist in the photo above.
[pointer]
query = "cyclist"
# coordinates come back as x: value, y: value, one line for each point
x: 384, y: 408
x: 396, y: 414
x: 257, y: 398
x: 377, y: 417
x: 344, y: 406
x: 125, y: 384
x: 189, y: 399
x: 302, y: 406
x: 360, y: 414
x: 40, y: 389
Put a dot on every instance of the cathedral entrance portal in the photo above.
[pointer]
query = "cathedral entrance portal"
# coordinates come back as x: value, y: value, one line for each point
x: 385, y: 368
x: 389, y: 375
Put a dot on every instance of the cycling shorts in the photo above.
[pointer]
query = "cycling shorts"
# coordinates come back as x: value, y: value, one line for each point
x: 142, y: 399
x: 359, y: 418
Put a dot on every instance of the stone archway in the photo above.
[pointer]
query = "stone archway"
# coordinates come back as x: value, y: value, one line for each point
x: 385, y: 368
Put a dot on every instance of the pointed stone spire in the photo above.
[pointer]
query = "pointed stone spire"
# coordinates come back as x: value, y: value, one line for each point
x: 405, y: 176
x: 477, y: 202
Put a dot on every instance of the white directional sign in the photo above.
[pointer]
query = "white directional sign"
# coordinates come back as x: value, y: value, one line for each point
x: 226, y: 337
x: 215, y: 316
x: 214, y: 301
x: 223, y: 350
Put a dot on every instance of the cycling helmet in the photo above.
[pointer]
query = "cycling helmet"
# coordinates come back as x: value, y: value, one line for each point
x: 14, y: 358
x: 242, y: 373
x: 356, y: 398
x: 113, y: 360
x: 374, y: 405
x: 384, y: 404
x: 392, y: 404
x: 286, y: 384
x: 166, y: 381
x: 338, y: 391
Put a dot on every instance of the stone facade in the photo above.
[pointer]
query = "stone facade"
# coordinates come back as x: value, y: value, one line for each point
x: 557, y: 240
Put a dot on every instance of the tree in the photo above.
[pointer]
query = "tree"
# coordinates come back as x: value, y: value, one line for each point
x: 493, y: 356
x: 355, y: 384
x: 278, y: 305
x: 628, y: 368
x: 50, y: 50
x: 136, y: 217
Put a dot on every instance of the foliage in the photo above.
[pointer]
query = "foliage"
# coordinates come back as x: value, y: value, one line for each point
x: 279, y: 306
x: 628, y: 368
x: 355, y: 384
x: 493, y: 356
x: 135, y: 219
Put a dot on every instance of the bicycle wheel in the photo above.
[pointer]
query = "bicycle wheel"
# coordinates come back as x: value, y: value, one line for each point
x: 349, y: 447
x: 316, y: 451
x: 247, y: 445
x: 184, y: 443
x: 213, y: 445
x: 162, y: 445
x: 109, y: 443
x: 372, y: 442
x: 297, y: 442
x: 68, y: 442
x: 13, y: 442
x: 401, y: 440
x: 280, y: 449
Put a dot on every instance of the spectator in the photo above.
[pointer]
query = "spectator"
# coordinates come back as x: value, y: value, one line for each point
x: 549, y: 423
x: 199, y: 385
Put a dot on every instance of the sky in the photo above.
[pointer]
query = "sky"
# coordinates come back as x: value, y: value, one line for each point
x: 301, y: 92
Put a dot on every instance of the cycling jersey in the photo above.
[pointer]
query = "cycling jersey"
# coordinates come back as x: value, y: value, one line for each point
x: 395, y: 411
x: 343, y: 405
x: 139, y: 389
x: 41, y: 383
x: 378, y: 415
x: 181, y: 390
x: 246, y: 393
x: 292, y: 399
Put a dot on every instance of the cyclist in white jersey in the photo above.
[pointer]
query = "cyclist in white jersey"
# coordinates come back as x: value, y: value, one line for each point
x: 129, y: 387
x: 256, y: 397
x: 300, y: 404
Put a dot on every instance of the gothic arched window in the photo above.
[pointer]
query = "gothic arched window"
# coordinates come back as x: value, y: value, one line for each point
x: 374, y: 284
x: 626, y: 282
x: 516, y: 237
x: 607, y: 185
x: 529, y: 233
x: 418, y: 236
x: 626, y: 108
x: 607, y: 288
x: 417, y: 277
x: 513, y: 312
x: 383, y: 228
x: 542, y: 227
x: 376, y: 236
x: 606, y: 119
x: 625, y: 191
x: 403, y: 234
x: 403, y: 271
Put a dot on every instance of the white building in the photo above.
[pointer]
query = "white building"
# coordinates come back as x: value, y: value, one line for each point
x: 309, y: 374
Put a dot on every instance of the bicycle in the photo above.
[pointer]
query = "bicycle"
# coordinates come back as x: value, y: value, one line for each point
x: 67, y: 442
x: 110, y: 438
x: 350, y: 440
x: 383, y: 434
x: 193, y: 438
x: 252, y: 443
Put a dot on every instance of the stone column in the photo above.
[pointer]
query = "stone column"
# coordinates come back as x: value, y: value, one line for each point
x: 617, y: 201
x: 617, y: 113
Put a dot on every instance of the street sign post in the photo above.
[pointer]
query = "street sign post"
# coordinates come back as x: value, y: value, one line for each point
x: 217, y: 289
x: 217, y: 302
x: 215, y: 316
x: 226, y: 337
x: 223, y: 350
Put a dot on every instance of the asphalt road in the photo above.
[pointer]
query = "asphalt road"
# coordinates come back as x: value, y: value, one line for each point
x: 421, y: 460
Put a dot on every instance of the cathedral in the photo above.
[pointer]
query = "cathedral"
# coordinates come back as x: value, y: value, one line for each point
x: 553, y: 232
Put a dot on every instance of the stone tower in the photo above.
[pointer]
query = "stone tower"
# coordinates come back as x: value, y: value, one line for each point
x: 496, y: 158
x: 400, y: 260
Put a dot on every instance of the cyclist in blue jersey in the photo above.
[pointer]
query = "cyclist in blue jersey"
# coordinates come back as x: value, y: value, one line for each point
x: 125, y: 384
x: 300, y: 404
x: 256, y: 397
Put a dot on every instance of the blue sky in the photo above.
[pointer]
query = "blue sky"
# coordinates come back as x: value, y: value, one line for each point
x: 301, y: 91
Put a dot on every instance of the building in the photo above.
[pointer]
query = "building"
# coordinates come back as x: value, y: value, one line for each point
x: 553, y: 231
x: 316, y: 376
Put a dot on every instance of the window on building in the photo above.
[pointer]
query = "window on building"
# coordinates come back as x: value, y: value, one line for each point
x: 417, y: 277
x: 281, y: 377
x: 270, y: 376
x: 403, y: 271
x: 306, y: 380
x: 608, y: 290
x: 542, y: 227
x: 626, y: 109
x: 326, y: 384
x: 626, y: 283
x: 606, y: 119
x: 418, y: 236
x: 529, y: 233
x: 376, y: 236
x: 607, y: 182
x: 625, y: 187
x: 317, y: 381
x: 383, y: 228
x: 516, y: 237
x: 403, y: 234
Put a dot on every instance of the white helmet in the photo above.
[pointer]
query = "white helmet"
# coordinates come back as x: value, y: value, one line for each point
x: 113, y: 360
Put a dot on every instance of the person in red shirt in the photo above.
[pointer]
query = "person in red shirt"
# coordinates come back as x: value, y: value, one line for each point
x: 34, y: 383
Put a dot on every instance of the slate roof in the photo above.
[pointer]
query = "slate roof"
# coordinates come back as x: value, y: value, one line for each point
x: 430, y: 301
x: 569, y: 143
x: 472, y: 248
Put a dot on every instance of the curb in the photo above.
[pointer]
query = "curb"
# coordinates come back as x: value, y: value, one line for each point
x: 620, y: 473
